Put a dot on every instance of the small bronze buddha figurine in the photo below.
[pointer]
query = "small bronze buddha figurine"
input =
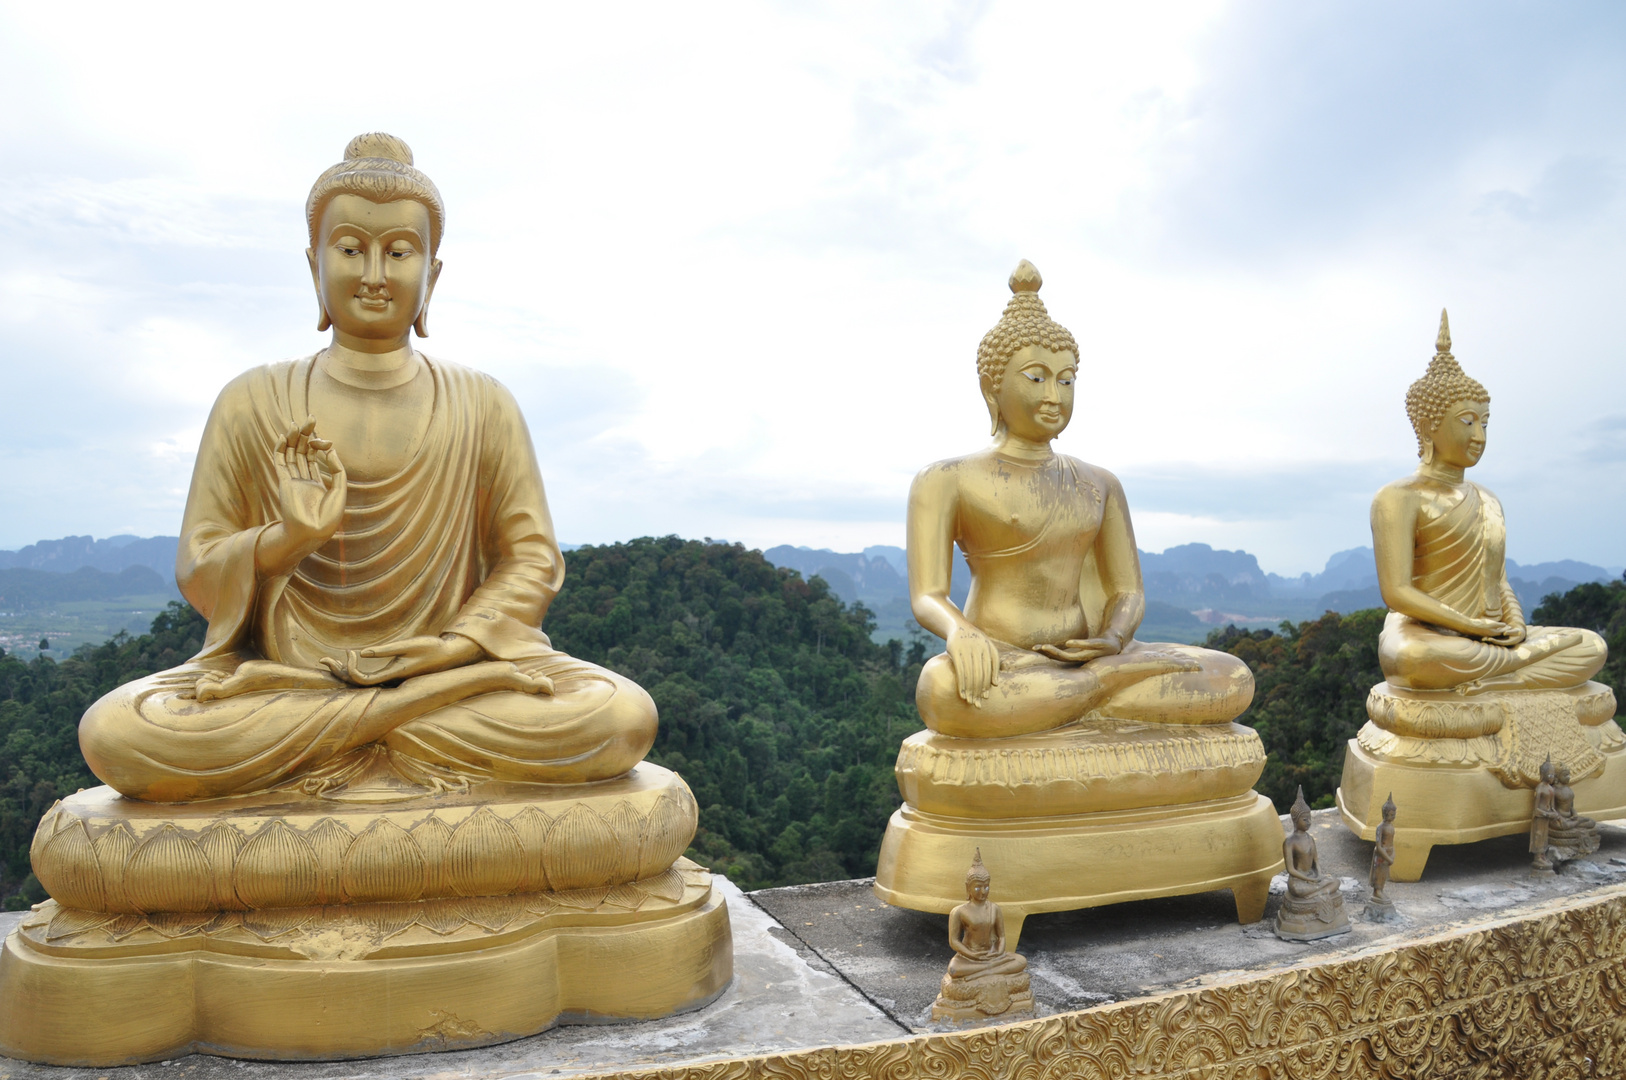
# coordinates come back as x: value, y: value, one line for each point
x: 1380, y: 908
x: 1473, y: 696
x: 1570, y: 835
x: 983, y: 980
x: 1314, y: 905
x: 1543, y: 816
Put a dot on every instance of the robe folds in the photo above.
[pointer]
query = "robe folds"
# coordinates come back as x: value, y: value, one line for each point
x: 459, y: 540
x: 1458, y: 558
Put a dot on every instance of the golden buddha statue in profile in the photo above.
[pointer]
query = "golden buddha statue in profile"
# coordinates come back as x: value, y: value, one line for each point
x: 1473, y: 698
x: 1044, y: 705
x: 378, y: 794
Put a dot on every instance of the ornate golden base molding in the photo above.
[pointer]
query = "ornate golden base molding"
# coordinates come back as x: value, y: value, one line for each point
x: 95, y: 989
x: 1085, y: 860
x: 1094, y: 765
x: 1537, y: 996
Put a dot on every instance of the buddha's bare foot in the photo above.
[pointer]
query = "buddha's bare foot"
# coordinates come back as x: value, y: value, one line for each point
x: 253, y: 676
x: 487, y: 677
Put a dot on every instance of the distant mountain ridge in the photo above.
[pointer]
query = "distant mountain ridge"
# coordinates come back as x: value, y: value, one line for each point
x: 1188, y: 583
x: 110, y: 555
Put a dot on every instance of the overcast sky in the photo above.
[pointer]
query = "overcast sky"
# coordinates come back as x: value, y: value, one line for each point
x: 734, y: 260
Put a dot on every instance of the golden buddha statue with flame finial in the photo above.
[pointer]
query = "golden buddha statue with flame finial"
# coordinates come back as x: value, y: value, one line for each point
x: 378, y: 812
x: 1056, y: 742
x: 1473, y: 699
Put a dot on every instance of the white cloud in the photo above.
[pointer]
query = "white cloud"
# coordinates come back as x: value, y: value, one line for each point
x: 734, y: 261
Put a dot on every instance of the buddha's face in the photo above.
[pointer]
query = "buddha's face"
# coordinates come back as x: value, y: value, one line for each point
x: 1562, y: 774
x: 1389, y: 813
x: 1035, y: 399
x: 1459, y: 439
x: 372, y: 267
x: 1301, y: 820
x: 976, y: 890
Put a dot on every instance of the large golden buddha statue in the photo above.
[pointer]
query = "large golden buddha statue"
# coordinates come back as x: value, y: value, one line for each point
x: 1056, y: 740
x: 379, y: 807
x: 1473, y: 698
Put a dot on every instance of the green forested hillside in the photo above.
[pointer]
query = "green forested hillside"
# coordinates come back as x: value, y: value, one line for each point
x: 776, y: 706
x: 40, y: 705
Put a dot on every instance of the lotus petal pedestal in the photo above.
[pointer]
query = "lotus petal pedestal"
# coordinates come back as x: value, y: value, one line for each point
x: 1463, y: 767
x: 1099, y: 812
x: 288, y: 927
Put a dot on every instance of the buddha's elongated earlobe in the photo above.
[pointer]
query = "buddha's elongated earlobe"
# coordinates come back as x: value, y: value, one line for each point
x: 322, y: 319
x: 420, y: 325
x: 1428, y: 451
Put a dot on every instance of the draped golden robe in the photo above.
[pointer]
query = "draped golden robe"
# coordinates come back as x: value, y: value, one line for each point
x: 458, y: 541
x: 1458, y: 558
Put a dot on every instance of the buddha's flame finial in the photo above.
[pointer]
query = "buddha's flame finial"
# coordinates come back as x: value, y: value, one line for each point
x: 1442, y: 344
x: 1299, y: 805
x: 978, y: 872
x: 1025, y: 278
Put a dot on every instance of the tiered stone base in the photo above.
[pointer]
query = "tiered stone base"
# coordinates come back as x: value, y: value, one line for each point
x: 290, y: 928
x: 1098, y: 812
x: 1474, y: 778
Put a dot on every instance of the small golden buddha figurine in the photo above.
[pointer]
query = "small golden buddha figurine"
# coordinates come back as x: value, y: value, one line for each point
x: 1380, y: 908
x: 1571, y: 835
x: 1314, y: 905
x: 983, y: 980
x: 1473, y: 696
x: 378, y: 795
x: 1044, y: 704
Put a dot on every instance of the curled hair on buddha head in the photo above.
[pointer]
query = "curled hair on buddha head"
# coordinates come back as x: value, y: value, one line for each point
x: 1025, y: 322
x: 1441, y: 387
x: 377, y: 167
x: 978, y: 874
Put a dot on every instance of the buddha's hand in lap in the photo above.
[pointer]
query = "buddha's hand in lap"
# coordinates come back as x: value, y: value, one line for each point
x: 1082, y: 650
x: 416, y: 657
x: 976, y: 663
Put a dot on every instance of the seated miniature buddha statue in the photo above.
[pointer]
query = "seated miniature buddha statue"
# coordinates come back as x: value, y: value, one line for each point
x: 1314, y: 905
x: 982, y: 979
x: 1572, y: 835
x: 1469, y: 688
x: 377, y: 743
x: 1044, y: 704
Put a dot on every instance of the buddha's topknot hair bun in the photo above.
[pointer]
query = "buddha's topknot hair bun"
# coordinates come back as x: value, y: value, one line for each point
x: 1442, y: 386
x: 378, y: 144
x: 1025, y: 322
x: 378, y: 167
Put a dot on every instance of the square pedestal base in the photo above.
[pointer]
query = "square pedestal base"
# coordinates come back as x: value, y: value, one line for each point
x: 1445, y: 803
x: 1085, y: 860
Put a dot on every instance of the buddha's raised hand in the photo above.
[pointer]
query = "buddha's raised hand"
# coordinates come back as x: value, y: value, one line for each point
x: 310, y: 492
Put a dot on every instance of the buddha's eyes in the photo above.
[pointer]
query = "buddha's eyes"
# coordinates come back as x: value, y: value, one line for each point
x: 1034, y: 376
x: 348, y: 245
x: 1066, y: 380
x: 399, y: 252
